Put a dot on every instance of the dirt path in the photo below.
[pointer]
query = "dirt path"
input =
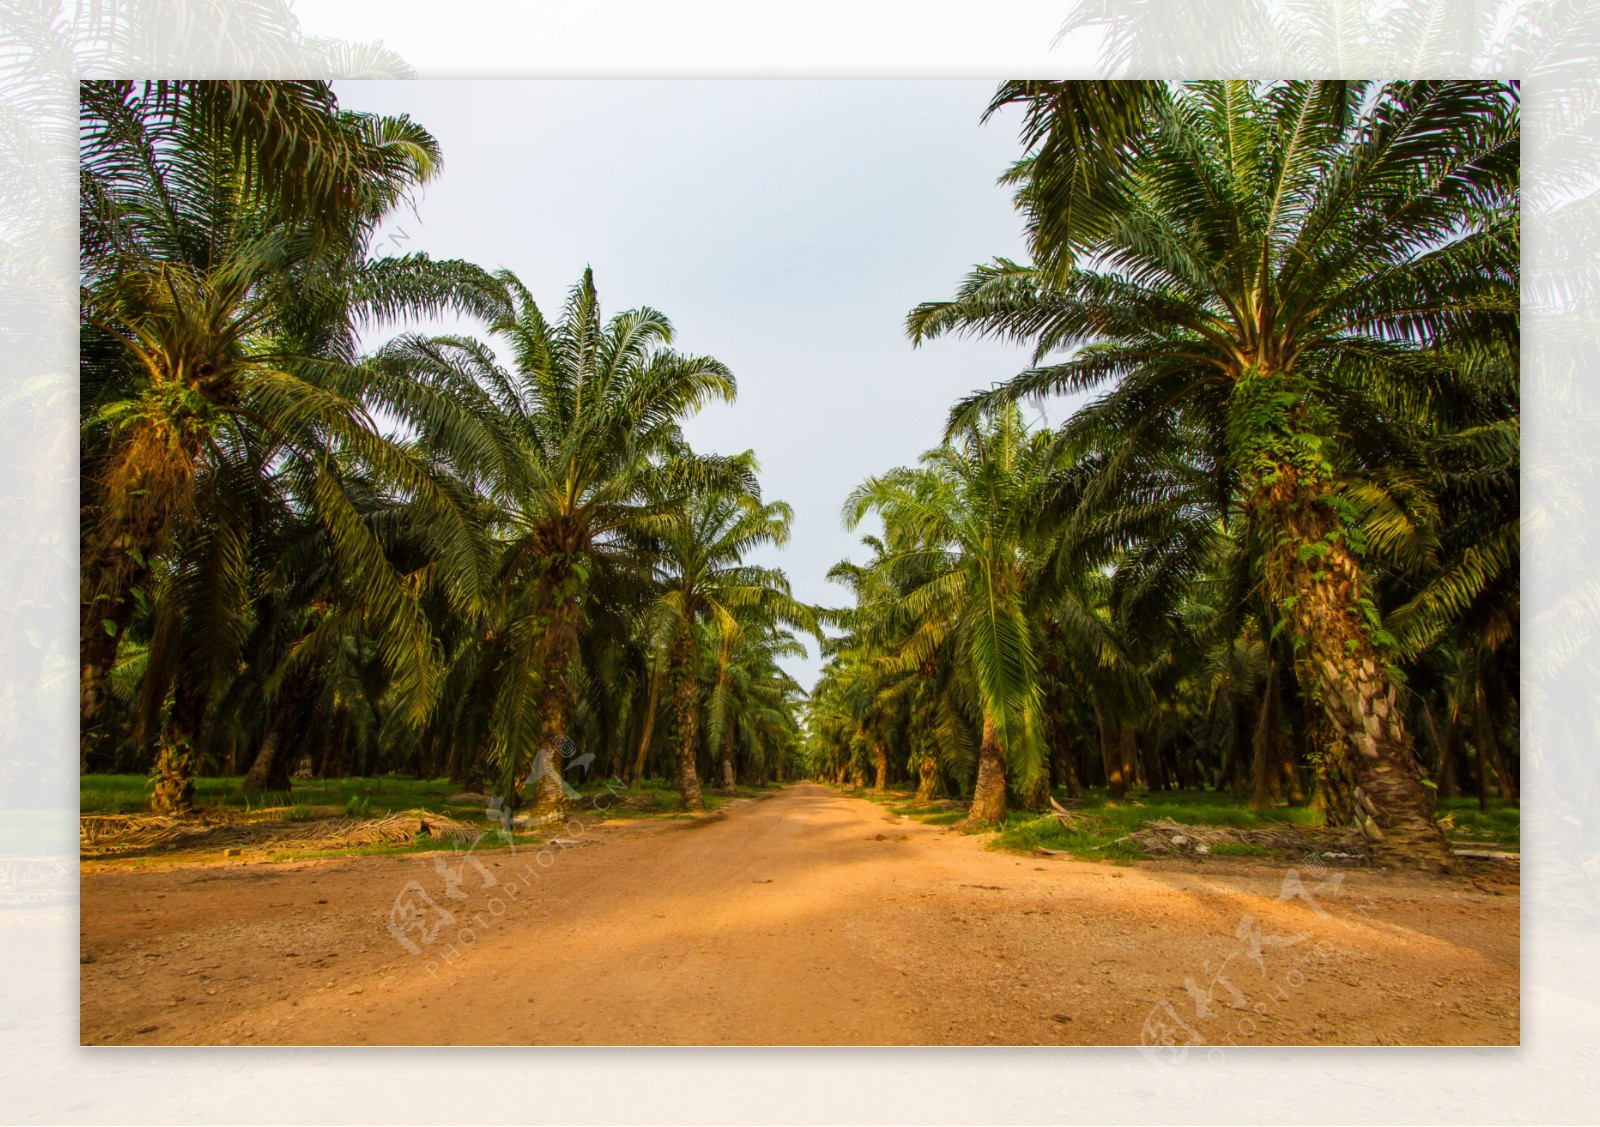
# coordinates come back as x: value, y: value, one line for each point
x: 805, y: 918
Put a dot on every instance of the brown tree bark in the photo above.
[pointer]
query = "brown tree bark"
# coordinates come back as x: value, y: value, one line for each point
x: 989, y: 794
x: 560, y: 641
x: 259, y: 777
x: 636, y: 776
x: 1445, y: 739
x: 270, y: 768
x: 687, y: 708
x: 1268, y: 747
x: 927, y: 778
x: 1113, y: 756
x: 1036, y: 796
x: 1489, y: 746
x: 730, y: 782
x: 97, y: 650
x: 880, y: 762
x: 129, y: 502
x: 332, y: 751
x: 173, y: 792
x: 1321, y: 593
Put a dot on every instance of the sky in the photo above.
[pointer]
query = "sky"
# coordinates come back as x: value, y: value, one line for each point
x: 784, y: 227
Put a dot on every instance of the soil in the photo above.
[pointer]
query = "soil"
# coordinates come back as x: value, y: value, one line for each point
x: 809, y: 918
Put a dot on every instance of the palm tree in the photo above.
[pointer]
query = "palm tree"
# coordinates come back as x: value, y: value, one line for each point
x: 703, y: 541
x: 958, y: 528
x: 226, y: 265
x: 579, y: 445
x: 749, y: 690
x: 1276, y: 266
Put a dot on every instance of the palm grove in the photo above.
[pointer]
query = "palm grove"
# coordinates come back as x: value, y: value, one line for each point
x: 458, y: 555
x: 1276, y: 550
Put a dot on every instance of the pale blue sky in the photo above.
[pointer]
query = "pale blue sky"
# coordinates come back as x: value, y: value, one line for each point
x: 786, y: 227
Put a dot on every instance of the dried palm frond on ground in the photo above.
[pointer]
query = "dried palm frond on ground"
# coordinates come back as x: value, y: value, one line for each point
x: 1166, y: 838
x: 112, y: 834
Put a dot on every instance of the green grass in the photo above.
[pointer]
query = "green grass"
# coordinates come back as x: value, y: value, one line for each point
x: 1094, y: 839
x: 1102, y: 820
x: 130, y: 794
x: 369, y: 797
x: 404, y: 848
x: 378, y: 797
x: 1500, y: 823
x: 1239, y: 849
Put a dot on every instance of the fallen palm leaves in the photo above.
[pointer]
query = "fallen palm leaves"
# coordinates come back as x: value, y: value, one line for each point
x: 107, y: 835
x: 1166, y: 838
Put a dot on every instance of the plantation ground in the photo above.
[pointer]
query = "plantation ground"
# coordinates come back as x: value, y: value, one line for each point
x: 807, y: 917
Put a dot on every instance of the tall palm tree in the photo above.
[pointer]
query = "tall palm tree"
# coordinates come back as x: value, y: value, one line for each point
x: 579, y: 444
x: 226, y: 269
x: 749, y: 689
x: 959, y: 527
x: 703, y: 541
x: 1276, y: 265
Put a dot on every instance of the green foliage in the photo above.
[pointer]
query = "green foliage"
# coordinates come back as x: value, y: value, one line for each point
x: 1294, y: 306
x: 128, y: 794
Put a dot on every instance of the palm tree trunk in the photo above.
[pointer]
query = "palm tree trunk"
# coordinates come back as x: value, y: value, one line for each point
x: 1036, y: 797
x: 989, y: 795
x: 326, y: 769
x: 116, y: 561
x: 1111, y: 754
x: 636, y: 776
x: 927, y: 778
x: 266, y: 769
x: 560, y: 639
x: 270, y: 768
x: 1056, y: 730
x: 730, y: 783
x: 1444, y: 738
x: 687, y: 701
x: 1319, y: 583
x: 1266, y: 767
x: 97, y: 651
x: 1069, y: 774
x: 1489, y: 745
x: 101, y: 624
x: 1149, y: 749
x: 173, y: 792
x: 880, y: 762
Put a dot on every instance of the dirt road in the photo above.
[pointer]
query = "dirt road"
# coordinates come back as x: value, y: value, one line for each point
x: 805, y: 918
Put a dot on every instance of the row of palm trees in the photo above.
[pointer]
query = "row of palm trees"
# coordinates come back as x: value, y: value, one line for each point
x: 1279, y: 547
x: 451, y: 556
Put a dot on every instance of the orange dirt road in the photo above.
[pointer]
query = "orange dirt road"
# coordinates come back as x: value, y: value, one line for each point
x: 806, y: 918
